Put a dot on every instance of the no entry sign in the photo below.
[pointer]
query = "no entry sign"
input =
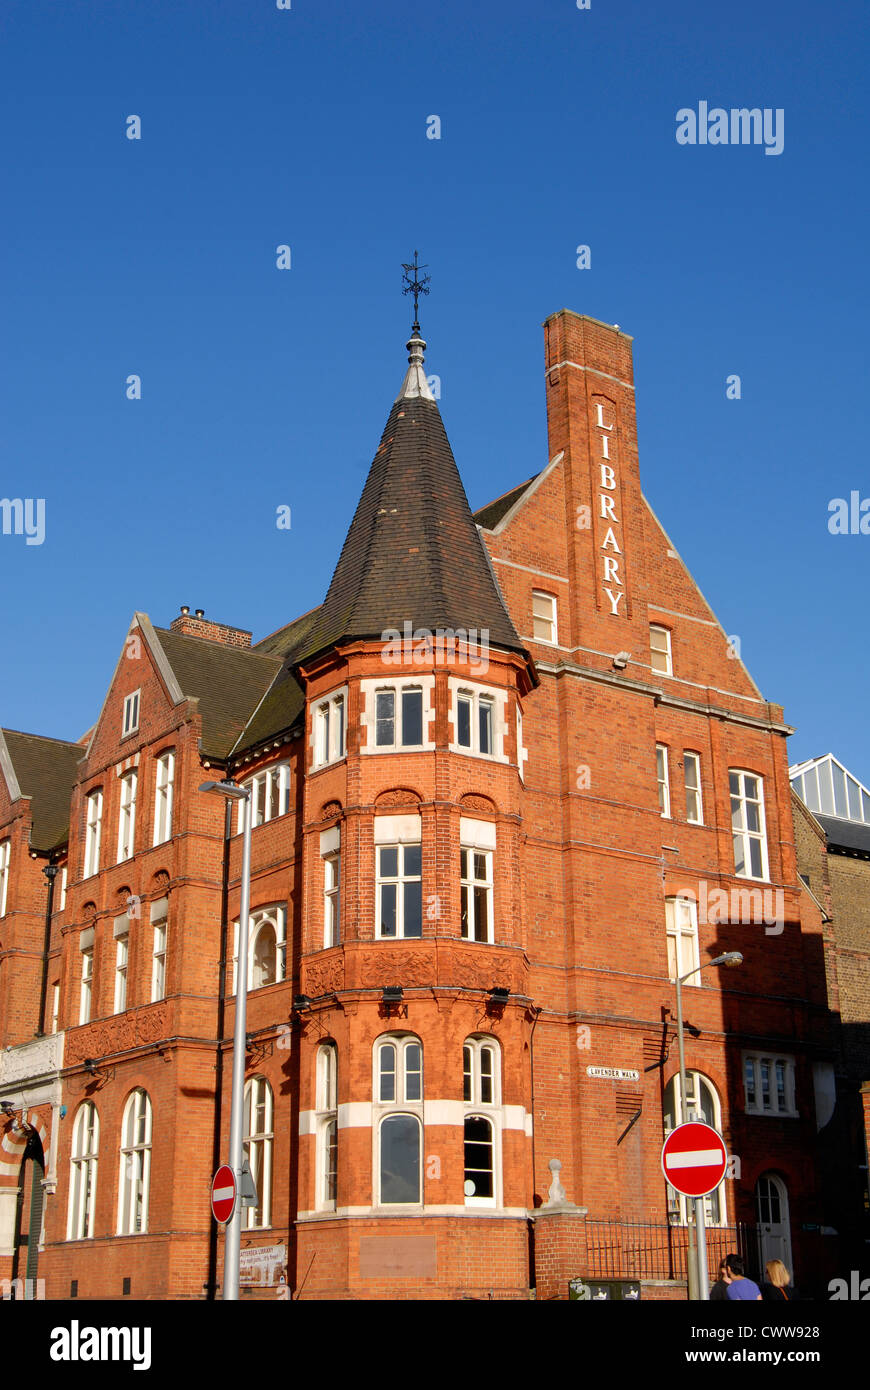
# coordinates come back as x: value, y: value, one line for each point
x: 694, y: 1159
x: 223, y: 1193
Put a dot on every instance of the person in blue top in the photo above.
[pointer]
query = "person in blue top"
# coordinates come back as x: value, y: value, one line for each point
x: 739, y: 1287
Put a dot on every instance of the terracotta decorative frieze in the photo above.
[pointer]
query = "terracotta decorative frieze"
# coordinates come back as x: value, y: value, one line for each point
x: 479, y: 969
x: 397, y: 796
x: 472, y: 802
x: 415, y: 969
x: 322, y: 976
x: 117, y: 1034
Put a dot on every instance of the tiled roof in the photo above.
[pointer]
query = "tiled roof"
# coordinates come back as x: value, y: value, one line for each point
x: 46, y: 770
x: 490, y: 515
x: 845, y: 834
x: 284, y: 702
x: 413, y: 552
x: 229, y: 683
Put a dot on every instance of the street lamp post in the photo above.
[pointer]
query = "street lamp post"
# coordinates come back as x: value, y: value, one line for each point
x: 233, y: 1238
x: 702, y: 1291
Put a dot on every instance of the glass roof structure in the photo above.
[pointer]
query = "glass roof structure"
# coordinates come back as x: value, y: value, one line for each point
x: 826, y: 786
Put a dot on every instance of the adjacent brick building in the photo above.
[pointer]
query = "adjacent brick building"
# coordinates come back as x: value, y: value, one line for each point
x: 506, y: 780
x: 832, y: 835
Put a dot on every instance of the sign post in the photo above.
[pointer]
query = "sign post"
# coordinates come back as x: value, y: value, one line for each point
x: 694, y: 1163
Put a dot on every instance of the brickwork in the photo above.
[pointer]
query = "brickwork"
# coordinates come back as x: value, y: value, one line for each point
x: 192, y: 626
x: 583, y: 863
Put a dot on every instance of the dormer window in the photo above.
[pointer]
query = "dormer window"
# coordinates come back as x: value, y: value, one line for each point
x: 131, y: 714
x: 329, y: 731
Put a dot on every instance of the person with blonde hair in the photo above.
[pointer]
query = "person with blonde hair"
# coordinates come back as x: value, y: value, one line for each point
x: 778, y: 1287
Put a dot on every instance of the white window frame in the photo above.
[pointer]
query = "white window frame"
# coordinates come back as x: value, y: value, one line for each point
x: 679, y: 1206
x: 331, y: 897
x: 275, y: 778
x: 757, y: 1061
x: 663, y: 781
x: 681, y: 931
x: 400, y: 879
x: 468, y: 882
x: 745, y: 835
x: 61, y: 897
x: 164, y: 785
x: 122, y: 962
x: 5, y: 851
x: 93, y: 832
x: 86, y: 988
x: 663, y: 651
x: 369, y: 692
x: 522, y: 751
x: 84, y: 1157
x: 497, y: 699
x: 134, y: 1173
x: 160, y: 924
x: 127, y: 816
x: 326, y: 1126
x: 474, y: 1093
x: 401, y: 1105
x: 329, y: 729
x: 550, y: 617
x: 691, y: 759
x: 257, y: 1147
x: 130, y: 721
x: 275, y: 915
x: 55, y: 1007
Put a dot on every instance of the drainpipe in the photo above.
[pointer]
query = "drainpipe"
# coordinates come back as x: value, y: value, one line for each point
x: 51, y: 872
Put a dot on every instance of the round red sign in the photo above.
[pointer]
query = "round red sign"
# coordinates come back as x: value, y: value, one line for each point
x: 694, y: 1159
x: 223, y: 1193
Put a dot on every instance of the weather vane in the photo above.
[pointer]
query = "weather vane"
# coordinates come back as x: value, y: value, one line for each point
x: 415, y: 285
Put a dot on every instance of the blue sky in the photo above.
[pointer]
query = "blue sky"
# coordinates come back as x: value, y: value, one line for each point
x: 260, y: 387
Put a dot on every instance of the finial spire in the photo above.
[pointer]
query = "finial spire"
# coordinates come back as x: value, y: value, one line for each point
x: 415, y: 383
x: 415, y: 286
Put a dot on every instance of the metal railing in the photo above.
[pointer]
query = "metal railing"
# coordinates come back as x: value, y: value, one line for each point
x: 657, y: 1250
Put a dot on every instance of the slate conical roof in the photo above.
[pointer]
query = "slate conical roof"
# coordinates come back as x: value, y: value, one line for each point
x: 413, y: 552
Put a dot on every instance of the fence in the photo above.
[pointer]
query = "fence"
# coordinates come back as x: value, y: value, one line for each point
x: 650, y: 1250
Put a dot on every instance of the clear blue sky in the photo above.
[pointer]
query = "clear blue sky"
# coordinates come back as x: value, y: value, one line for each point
x: 261, y: 387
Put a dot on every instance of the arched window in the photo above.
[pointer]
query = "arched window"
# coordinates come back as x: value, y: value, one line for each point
x: 398, y: 1089
x: 264, y: 955
x: 267, y: 947
x: 83, y: 1173
x: 257, y: 1145
x: 702, y: 1103
x: 135, y: 1174
x: 327, y: 1127
x: 481, y: 1091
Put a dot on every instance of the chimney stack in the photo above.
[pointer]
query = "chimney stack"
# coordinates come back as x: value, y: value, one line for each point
x: 199, y: 626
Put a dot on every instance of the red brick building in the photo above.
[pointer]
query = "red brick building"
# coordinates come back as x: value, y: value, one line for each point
x: 506, y: 780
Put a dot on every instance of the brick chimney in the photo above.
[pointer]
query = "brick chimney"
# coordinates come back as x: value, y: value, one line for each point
x: 198, y: 626
x: 591, y: 419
